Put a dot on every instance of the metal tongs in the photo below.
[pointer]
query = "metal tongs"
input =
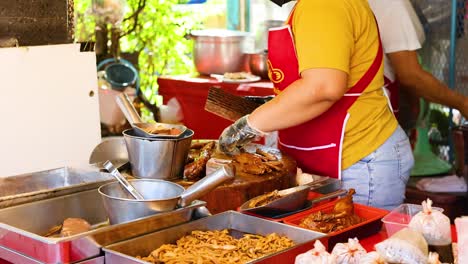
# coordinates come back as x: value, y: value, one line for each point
x: 126, y: 184
x: 146, y: 129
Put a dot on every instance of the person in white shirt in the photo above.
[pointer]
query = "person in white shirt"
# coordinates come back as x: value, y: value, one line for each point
x: 402, y: 35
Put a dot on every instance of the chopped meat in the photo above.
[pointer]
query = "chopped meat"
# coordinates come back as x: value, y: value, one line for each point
x: 73, y: 226
x: 197, y: 169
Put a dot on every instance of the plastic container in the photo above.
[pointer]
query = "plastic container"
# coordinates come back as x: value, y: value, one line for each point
x: 401, y: 216
x: 370, y: 226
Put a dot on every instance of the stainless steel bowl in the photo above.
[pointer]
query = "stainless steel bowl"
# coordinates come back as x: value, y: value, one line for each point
x: 160, y: 196
x: 157, y: 158
x: 218, y: 51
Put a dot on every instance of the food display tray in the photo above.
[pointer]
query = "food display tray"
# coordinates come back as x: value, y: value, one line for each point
x: 125, y: 252
x: 370, y: 226
x: 22, y: 226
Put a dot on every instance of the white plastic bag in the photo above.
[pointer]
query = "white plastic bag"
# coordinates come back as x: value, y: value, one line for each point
x: 317, y: 255
x: 349, y: 253
x: 433, y: 225
x: 406, y: 246
x: 372, y: 258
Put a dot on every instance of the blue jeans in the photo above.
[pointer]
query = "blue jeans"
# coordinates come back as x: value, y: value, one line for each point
x: 380, y: 178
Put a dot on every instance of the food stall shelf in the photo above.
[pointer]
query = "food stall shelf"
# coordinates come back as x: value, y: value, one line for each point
x: 22, y: 227
x: 125, y: 252
x: 370, y: 226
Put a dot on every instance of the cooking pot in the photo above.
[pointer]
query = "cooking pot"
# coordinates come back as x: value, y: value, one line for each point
x: 119, y: 73
x: 157, y: 158
x: 258, y: 64
x: 217, y: 51
x: 160, y: 196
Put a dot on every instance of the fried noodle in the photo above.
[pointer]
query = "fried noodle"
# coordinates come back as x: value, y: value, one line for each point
x: 216, y: 247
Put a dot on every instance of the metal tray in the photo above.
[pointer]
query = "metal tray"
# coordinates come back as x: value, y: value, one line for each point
x: 124, y: 252
x: 21, y: 227
x: 26, y: 188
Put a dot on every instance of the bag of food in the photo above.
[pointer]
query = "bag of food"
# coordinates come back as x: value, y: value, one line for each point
x: 433, y: 224
x: 372, y: 258
x: 406, y: 246
x: 349, y: 253
x: 317, y: 255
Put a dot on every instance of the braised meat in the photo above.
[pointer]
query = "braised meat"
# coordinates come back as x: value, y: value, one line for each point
x: 69, y: 227
x: 341, y: 217
x: 257, y: 163
x: 264, y: 199
x: 197, y: 169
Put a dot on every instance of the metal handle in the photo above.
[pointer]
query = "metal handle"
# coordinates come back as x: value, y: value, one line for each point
x: 206, y: 184
x: 127, y: 108
x: 128, y: 186
x: 329, y: 196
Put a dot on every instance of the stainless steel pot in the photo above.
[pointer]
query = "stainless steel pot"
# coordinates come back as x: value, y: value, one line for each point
x: 258, y: 64
x: 157, y: 158
x: 218, y: 51
x: 160, y: 196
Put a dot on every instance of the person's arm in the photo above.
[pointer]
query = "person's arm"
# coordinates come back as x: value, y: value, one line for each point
x: 423, y: 84
x: 303, y: 100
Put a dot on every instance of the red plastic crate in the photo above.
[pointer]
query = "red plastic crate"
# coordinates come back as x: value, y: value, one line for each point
x: 370, y: 226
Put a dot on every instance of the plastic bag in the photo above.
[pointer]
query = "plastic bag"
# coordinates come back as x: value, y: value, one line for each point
x: 434, y: 225
x: 349, y: 253
x: 372, y: 258
x: 406, y: 246
x: 317, y: 255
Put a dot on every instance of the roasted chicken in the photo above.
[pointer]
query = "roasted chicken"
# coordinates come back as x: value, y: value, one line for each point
x: 197, y: 169
x: 341, y: 217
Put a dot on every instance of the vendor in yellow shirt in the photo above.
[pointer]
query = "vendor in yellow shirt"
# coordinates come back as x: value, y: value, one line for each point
x: 330, y: 110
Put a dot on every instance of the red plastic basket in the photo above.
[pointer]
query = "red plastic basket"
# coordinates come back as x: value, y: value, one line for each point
x: 370, y: 226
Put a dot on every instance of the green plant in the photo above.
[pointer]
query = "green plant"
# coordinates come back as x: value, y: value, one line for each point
x: 156, y: 30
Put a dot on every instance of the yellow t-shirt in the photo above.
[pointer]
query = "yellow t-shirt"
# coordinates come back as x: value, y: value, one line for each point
x: 343, y: 35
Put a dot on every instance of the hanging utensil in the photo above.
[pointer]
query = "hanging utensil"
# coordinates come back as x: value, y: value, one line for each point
x: 156, y: 130
x: 127, y: 185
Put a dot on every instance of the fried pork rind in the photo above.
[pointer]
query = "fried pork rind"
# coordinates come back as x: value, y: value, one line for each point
x: 218, y: 247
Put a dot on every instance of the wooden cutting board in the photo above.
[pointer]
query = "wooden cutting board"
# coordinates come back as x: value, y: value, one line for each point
x: 233, y: 194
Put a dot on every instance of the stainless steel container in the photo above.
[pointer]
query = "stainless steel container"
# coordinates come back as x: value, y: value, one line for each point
x: 218, y: 51
x: 157, y: 158
x: 160, y: 196
x: 22, y: 226
x: 125, y: 252
x: 42, y: 185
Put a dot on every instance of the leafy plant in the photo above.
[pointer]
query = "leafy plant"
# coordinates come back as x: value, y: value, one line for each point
x: 156, y: 30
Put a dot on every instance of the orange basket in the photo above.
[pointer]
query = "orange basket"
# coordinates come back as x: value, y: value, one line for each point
x: 370, y: 226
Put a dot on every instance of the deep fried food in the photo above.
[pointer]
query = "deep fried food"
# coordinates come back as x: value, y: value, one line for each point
x: 340, y: 218
x: 218, y: 247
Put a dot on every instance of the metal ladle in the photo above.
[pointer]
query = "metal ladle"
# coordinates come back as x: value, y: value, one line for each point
x: 127, y: 185
x: 146, y: 129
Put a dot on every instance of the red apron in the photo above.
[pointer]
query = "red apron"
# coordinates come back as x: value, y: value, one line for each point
x: 317, y: 144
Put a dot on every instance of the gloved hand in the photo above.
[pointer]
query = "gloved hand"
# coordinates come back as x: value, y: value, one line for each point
x: 237, y: 135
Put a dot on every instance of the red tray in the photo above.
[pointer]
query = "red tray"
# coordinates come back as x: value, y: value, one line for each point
x: 370, y: 226
x: 311, y: 196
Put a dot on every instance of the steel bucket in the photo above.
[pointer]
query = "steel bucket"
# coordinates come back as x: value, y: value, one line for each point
x: 157, y: 158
